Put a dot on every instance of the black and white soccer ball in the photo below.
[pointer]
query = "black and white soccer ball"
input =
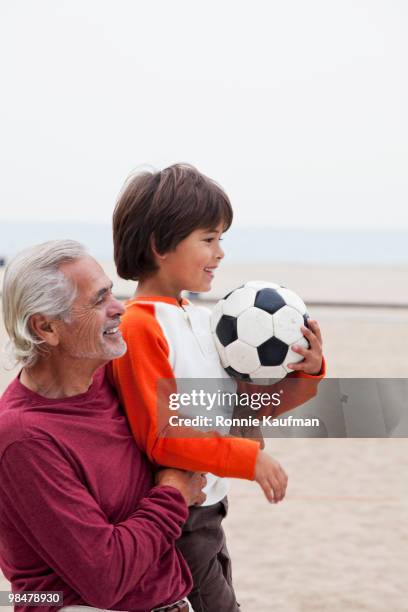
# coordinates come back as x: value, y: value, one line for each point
x: 254, y: 328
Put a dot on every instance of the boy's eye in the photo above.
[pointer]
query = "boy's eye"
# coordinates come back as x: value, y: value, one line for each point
x: 211, y: 239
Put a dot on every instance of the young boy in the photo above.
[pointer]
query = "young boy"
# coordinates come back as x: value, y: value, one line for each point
x: 167, y: 228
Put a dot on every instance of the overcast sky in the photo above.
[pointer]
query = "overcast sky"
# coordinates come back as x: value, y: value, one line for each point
x: 298, y: 108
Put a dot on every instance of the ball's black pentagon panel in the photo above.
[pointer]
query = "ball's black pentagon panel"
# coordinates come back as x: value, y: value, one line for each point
x: 272, y: 352
x: 236, y: 374
x: 228, y: 294
x: 226, y: 330
x: 269, y: 300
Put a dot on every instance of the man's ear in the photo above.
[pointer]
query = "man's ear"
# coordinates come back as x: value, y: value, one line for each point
x: 45, y: 329
x: 157, y: 255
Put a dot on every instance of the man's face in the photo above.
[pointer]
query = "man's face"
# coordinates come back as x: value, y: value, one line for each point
x: 92, y: 330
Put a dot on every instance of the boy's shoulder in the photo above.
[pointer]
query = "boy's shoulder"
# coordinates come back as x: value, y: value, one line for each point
x: 138, y: 311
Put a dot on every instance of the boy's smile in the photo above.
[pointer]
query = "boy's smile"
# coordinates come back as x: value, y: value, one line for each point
x: 210, y: 271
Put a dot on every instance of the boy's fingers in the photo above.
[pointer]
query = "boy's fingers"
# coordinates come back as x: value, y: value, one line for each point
x: 313, y: 331
x: 272, y: 490
x: 311, y: 337
x: 300, y: 349
x: 283, y: 478
x: 278, y: 485
x: 279, y: 491
x: 296, y: 366
x: 267, y: 491
x: 316, y: 330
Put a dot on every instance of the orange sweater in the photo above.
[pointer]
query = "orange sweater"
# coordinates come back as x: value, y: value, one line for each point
x: 168, y: 341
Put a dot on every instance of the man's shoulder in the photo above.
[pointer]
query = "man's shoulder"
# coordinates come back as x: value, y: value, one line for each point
x: 24, y: 415
x: 12, y: 428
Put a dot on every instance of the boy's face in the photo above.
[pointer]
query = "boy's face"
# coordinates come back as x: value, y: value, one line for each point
x: 192, y: 264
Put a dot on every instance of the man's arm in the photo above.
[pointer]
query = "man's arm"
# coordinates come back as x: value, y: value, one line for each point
x: 48, y: 504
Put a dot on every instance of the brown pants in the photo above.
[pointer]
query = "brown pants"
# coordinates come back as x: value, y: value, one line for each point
x: 203, y: 546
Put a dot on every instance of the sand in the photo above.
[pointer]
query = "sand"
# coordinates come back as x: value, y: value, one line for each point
x: 339, y: 541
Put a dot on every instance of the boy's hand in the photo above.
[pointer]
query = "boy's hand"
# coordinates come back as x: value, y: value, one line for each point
x: 271, y: 477
x: 313, y: 356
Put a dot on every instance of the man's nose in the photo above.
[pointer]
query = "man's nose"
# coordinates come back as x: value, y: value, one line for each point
x: 116, y: 308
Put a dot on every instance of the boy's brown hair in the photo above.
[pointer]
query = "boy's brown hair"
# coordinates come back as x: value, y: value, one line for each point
x: 164, y: 207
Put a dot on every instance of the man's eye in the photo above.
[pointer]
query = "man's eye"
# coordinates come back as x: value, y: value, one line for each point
x: 101, y: 299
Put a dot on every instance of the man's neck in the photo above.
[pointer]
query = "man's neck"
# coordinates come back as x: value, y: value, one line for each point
x: 56, y: 379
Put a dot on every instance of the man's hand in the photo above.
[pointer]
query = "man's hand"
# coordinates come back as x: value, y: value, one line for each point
x: 313, y: 356
x: 188, y: 483
x: 271, y: 477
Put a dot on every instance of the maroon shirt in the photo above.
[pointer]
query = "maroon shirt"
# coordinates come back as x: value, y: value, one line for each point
x: 78, y: 513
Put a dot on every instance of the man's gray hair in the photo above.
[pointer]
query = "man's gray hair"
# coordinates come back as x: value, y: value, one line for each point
x: 33, y: 284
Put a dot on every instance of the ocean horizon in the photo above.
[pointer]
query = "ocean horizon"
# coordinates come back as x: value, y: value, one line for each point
x: 250, y: 244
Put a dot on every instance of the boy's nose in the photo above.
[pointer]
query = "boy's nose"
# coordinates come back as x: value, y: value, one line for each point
x: 220, y: 253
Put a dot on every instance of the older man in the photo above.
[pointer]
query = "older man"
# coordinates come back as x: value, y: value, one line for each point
x: 79, y: 512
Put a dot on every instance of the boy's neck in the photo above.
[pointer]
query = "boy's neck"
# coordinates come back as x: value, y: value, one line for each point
x: 157, y: 286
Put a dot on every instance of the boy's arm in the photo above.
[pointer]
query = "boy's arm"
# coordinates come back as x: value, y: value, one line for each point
x: 137, y: 375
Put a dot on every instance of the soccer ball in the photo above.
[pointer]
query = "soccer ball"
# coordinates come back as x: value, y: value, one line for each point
x: 254, y: 329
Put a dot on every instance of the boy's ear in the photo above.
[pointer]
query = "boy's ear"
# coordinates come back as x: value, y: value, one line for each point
x: 159, y: 256
x: 45, y: 329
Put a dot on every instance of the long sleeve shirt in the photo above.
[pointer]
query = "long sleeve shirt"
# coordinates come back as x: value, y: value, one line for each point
x: 167, y: 341
x: 78, y: 509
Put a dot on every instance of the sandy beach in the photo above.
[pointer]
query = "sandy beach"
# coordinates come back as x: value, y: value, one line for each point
x: 339, y: 541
